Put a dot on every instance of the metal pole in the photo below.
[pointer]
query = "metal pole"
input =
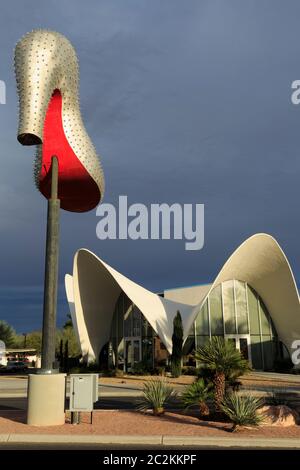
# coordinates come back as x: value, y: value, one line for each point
x: 51, y: 275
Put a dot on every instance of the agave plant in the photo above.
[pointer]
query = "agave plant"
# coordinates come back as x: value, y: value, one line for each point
x: 223, y: 359
x: 242, y: 410
x: 156, y: 393
x: 197, y: 394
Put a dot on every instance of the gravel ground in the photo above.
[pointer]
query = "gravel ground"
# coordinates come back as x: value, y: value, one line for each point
x: 134, y: 423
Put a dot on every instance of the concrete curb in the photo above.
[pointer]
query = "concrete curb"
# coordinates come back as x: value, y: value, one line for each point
x: 101, y: 395
x: 82, y: 439
x: 220, y: 442
x: 236, y: 442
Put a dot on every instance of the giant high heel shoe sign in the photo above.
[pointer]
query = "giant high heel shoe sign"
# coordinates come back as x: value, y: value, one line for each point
x: 67, y: 172
x: 49, y: 117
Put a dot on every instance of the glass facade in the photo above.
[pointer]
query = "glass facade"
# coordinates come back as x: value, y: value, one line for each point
x: 235, y: 311
x: 232, y: 310
x: 133, y: 340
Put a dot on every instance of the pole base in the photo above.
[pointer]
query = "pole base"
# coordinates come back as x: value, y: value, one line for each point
x: 46, y: 399
x: 47, y: 371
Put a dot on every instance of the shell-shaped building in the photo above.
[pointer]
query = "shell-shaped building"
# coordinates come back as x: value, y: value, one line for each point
x: 47, y: 75
x: 253, y: 302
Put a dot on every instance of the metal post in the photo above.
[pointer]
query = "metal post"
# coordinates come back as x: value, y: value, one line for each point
x: 51, y: 275
x: 75, y: 417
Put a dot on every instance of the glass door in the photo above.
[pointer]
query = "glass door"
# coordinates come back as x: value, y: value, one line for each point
x: 133, y: 352
x: 128, y: 354
x: 242, y: 343
x: 244, y: 348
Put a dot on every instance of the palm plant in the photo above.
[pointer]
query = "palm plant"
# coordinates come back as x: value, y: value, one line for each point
x: 156, y: 393
x: 197, y: 394
x: 242, y: 410
x: 223, y: 359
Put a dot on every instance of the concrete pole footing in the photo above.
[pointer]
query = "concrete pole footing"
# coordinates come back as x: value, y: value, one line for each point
x: 46, y: 399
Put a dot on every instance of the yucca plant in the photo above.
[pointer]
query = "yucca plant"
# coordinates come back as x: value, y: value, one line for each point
x: 197, y: 394
x: 156, y: 393
x: 242, y: 410
x: 222, y: 358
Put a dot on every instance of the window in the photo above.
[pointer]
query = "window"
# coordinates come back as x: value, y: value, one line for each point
x: 229, y: 308
x: 241, y: 307
x: 202, y: 324
x: 215, y: 309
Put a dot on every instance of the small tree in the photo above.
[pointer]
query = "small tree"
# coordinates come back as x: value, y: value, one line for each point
x: 67, y: 334
x: 34, y: 341
x: 177, y: 342
x: 7, y: 334
x: 223, y: 359
x: 68, y: 323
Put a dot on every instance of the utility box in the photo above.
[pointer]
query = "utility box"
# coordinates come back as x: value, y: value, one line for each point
x: 83, y: 392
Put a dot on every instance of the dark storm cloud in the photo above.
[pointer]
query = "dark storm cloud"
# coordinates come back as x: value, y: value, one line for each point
x: 186, y: 102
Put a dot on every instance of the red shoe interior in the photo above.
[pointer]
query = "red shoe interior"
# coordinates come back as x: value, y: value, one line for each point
x: 77, y: 190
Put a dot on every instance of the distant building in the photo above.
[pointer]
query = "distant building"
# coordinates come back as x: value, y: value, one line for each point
x: 30, y: 356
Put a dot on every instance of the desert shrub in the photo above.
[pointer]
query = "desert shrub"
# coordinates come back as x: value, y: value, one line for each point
x: 242, y: 410
x: 156, y: 394
x: 141, y: 368
x: 197, y: 394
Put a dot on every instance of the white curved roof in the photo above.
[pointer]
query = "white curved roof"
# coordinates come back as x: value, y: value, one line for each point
x: 95, y: 286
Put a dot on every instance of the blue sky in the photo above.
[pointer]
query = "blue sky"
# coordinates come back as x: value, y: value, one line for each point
x: 185, y: 102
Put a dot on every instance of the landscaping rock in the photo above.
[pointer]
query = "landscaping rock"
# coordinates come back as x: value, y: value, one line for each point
x: 280, y: 415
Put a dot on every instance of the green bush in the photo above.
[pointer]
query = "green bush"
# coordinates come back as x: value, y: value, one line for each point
x: 141, y: 368
x: 156, y: 393
x: 242, y: 410
x: 197, y: 394
x: 175, y: 370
